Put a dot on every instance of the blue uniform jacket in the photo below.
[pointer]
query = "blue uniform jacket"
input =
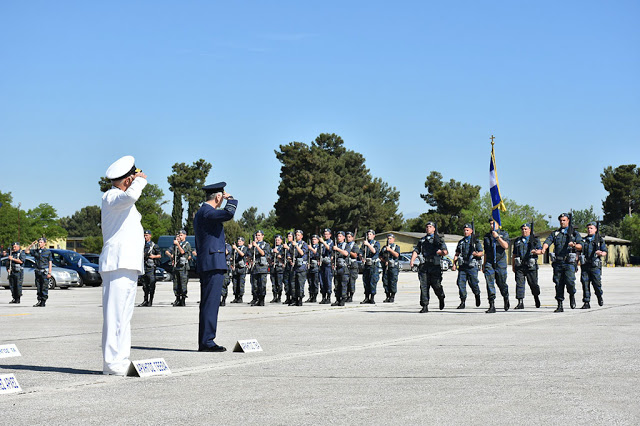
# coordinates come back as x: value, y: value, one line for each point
x: 209, y: 234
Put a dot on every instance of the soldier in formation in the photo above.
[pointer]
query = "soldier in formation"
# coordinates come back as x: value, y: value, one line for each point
x: 390, y: 268
x: 370, y: 253
x: 15, y: 269
x: 430, y: 250
x: 326, y: 268
x: 180, y: 256
x: 239, y: 269
x: 261, y: 250
x: 313, y: 273
x: 151, y: 256
x: 467, y: 258
x: 44, y: 262
x: 299, y: 259
x: 228, y: 257
x: 341, y: 270
x: 592, y: 250
x: 496, y: 243
x: 524, y: 264
x: 277, y: 260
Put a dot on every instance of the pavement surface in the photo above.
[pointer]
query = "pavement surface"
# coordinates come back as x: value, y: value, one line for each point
x: 358, y: 364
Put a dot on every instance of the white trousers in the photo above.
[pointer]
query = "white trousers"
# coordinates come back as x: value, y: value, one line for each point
x: 118, y: 299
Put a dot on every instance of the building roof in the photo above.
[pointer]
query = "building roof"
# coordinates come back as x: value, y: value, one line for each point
x: 448, y: 238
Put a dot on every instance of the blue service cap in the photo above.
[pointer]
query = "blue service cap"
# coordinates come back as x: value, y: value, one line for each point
x: 430, y: 223
x: 259, y: 231
x: 214, y: 187
x: 327, y: 230
x: 299, y: 231
x: 390, y: 236
x: 525, y: 225
x: 240, y: 238
x: 349, y: 233
x: 182, y: 231
x: 16, y: 244
x: 147, y: 231
x: 278, y: 236
x: 372, y: 231
x: 592, y: 224
x: 341, y: 232
x: 44, y: 240
x: 562, y: 215
x: 315, y: 236
x: 468, y: 225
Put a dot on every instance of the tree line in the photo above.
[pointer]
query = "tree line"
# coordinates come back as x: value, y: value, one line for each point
x: 323, y: 184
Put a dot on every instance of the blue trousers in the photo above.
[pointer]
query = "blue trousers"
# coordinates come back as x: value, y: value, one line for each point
x: 564, y: 275
x: 496, y: 275
x: 590, y: 276
x: 210, y: 291
x: 469, y: 275
x: 370, y: 277
x: 326, y: 275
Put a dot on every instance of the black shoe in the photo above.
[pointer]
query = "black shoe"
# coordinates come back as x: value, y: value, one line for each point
x: 507, y: 305
x: 216, y: 348
x: 18, y: 300
x: 586, y: 305
x: 392, y: 298
x: 349, y: 298
x: 223, y: 301
x: 441, y: 304
x: 13, y: 301
x: 183, y: 302
x: 386, y: 300
x: 462, y: 304
x: 43, y: 303
x: 537, y: 300
x: 520, y: 305
x: 253, y: 301
x: 299, y: 303
x: 328, y: 300
x: 310, y: 299
x: 275, y: 298
x: 287, y: 301
x: 477, y: 300
x: 366, y: 299
x: 424, y: 309
x: 279, y: 299
x: 37, y: 305
x: 176, y: 302
x: 145, y: 303
x: 559, y: 308
x: 371, y: 297
x: 261, y: 301
x: 492, y: 307
x: 150, y: 301
x: 600, y: 301
x: 572, y: 301
x: 337, y: 303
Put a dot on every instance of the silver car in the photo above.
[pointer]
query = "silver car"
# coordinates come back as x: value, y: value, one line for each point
x: 60, y: 277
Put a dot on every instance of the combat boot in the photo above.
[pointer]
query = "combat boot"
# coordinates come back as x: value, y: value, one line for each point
x: 287, y: 300
x: 599, y: 296
x: 586, y: 305
x: 536, y: 298
x: 520, y: 305
x: 145, y: 302
x: 507, y: 305
x: 371, y: 299
x: 18, y: 300
x: 477, y: 300
x: 559, y: 308
x: 441, y: 305
x: 279, y: 298
x: 341, y: 302
x: 176, y: 302
x: 572, y: 301
x: 328, y: 301
x: 392, y: 298
x: 275, y: 298
x: 13, y: 301
x: 254, y: 300
x: 223, y: 302
x: 235, y: 299
x: 183, y: 301
x: 337, y: 302
x: 261, y: 301
x: 310, y: 299
x: 387, y: 299
x: 299, y: 301
x: 150, y: 299
x: 424, y: 309
x: 349, y: 297
x: 462, y: 303
x: 366, y: 299
x: 37, y: 305
x: 492, y: 307
x: 43, y: 303
x: 239, y: 299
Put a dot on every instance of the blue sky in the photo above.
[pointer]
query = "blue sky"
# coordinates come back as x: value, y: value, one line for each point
x: 413, y: 86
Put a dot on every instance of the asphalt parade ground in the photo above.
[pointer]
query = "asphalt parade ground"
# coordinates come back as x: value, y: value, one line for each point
x: 358, y: 364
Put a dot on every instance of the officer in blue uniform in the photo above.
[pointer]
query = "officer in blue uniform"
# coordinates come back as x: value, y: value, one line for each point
x: 15, y: 268
x: 287, y: 276
x: 524, y: 264
x: 370, y: 254
x: 390, y: 268
x: 228, y: 252
x: 467, y: 258
x: 593, y: 248
x: 299, y: 260
x: 326, y: 268
x: 496, y: 242
x: 564, y: 258
x: 352, y: 262
x: 44, y: 262
x: 239, y: 269
x: 151, y: 254
x: 277, y: 269
x: 430, y: 250
x: 341, y: 272
x: 313, y: 273
x: 211, y: 263
x: 261, y: 251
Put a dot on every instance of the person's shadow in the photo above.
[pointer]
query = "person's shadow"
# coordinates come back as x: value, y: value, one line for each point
x: 149, y: 348
x: 50, y: 369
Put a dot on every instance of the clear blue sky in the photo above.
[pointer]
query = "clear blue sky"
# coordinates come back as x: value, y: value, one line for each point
x: 413, y: 86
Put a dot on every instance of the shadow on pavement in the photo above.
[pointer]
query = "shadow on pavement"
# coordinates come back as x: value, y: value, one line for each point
x: 49, y: 369
x: 148, y: 348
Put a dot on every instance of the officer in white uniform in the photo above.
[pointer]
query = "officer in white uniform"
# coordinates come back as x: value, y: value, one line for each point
x: 121, y: 261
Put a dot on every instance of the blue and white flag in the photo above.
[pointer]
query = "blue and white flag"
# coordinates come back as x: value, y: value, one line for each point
x: 496, y: 200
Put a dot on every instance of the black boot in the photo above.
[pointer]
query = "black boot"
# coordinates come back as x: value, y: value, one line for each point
x: 386, y: 300
x: 559, y: 308
x: 366, y: 299
x: 18, y: 300
x: 371, y: 297
x: 536, y: 298
x: 392, y: 298
x: 310, y: 299
x: 314, y: 298
x: 324, y: 299
x: 275, y: 298
x: 572, y: 301
x: 586, y: 305
x: 441, y: 305
x: 328, y: 301
x: 279, y: 299
x: 477, y: 300
x: 520, y: 305
x: 235, y: 299
x: 183, y: 302
x: 599, y: 296
x: 287, y: 300
x: 462, y: 304
x: 145, y: 302
x: 223, y: 302
x: 424, y: 309
x: 240, y: 299
x: 13, y: 301
x: 176, y: 302
x: 507, y: 305
x: 349, y: 297
x: 261, y: 301
x: 299, y: 301
x: 254, y: 300
x: 492, y: 307
x: 150, y: 300
x: 43, y: 303
x: 37, y: 305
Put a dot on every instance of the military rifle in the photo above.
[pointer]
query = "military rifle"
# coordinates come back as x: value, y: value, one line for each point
x: 472, y: 244
x: 531, y: 237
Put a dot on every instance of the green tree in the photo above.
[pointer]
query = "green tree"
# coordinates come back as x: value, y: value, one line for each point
x: 11, y: 221
x: 93, y: 244
x: 326, y: 185
x: 250, y: 219
x: 186, y: 182
x: 582, y: 217
x: 42, y: 220
x: 623, y: 186
x: 630, y: 229
x: 83, y: 223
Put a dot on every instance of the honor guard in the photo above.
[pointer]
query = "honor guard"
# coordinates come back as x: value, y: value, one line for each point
x: 180, y: 256
x: 300, y: 258
x: 326, y: 268
x: 390, y: 268
x: 228, y: 256
x: 287, y: 275
x: 251, y: 261
x: 370, y: 254
x: 524, y: 263
x: 496, y: 242
x: 566, y: 242
x: 313, y: 273
x: 44, y: 261
x: 341, y: 269
x: 468, y: 257
x: 277, y: 269
x: 151, y: 256
x: 261, y: 251
x: 15, y: 269
x: 430, y: 250
x: 352, y: 263
x: 593, y: 248
x: 239, y: 269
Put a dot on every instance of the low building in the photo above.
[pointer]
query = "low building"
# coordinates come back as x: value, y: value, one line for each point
x: 408, y: 240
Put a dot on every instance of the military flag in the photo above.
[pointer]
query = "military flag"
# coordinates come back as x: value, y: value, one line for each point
x: 494, y: 187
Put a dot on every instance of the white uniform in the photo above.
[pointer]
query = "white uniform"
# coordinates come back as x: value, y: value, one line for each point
x: 121, y: 261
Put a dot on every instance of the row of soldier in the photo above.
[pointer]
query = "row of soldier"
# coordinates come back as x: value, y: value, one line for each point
x: 323, y: 263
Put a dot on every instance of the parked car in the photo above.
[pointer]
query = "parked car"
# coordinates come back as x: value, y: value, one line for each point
x: 60, y: 277
x: 161, y: 275
x: 405, y: 260
x: 92, y: 257
x: 165, y: 242
x: 87, y: 271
